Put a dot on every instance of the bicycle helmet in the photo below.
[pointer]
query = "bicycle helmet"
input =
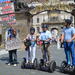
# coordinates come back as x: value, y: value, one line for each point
x: 68, y: 21
x: 32, y: 29
x: 44, y: 26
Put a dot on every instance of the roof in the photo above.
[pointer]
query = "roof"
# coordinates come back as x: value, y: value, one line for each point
x: 26, y: 1
x: 29, y: 1
x: 53, y: 23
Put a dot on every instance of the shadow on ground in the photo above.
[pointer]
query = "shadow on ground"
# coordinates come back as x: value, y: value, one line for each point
x: 4, y: 58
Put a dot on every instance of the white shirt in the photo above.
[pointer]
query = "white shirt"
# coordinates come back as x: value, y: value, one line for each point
x: 45, y: 35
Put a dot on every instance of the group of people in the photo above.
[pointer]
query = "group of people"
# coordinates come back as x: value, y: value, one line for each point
x: 67, y: 38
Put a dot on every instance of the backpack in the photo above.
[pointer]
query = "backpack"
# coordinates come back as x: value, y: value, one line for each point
x: 27, y: 43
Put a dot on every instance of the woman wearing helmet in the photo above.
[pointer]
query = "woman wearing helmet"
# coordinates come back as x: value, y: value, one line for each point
x: 30, y: 57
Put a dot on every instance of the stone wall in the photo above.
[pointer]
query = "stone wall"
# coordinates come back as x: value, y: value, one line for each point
x: 22, y: 25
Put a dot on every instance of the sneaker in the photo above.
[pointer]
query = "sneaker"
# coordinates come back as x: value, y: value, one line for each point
x: 47, y: 62
x: 71, y: 68
x: 9, y: 64
x: 67, y: 68
x: 15, y: 65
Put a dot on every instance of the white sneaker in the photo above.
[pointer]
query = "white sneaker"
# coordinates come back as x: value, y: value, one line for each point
x: 9, y: 64
x: 15, y: 65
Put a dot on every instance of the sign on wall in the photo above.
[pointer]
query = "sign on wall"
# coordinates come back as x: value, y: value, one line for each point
x: 1, y: 1
x: 6, y: 8
x: 8, y: 19
x: 6, y: 13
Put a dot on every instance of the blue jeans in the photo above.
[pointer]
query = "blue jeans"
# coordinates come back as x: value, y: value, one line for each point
x: 13, y: 56
x: 70, y: 52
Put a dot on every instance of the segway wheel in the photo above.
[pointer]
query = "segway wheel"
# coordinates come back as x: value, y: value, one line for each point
x: 52, y: 66
x: 63, y: 65
x: 23, y: 64
x: 35, y: 64
x: 41, y: 63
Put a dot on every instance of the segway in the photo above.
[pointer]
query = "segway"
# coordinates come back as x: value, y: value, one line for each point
x: 63, y: 66
x: 23, y: 63
x: 28, y: 65
x: 65, y: 69
x: 44, y: 64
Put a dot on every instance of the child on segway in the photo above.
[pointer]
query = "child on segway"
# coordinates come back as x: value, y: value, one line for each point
x: 68, y: 36
x: 30, y: 43
x: 45, y: 38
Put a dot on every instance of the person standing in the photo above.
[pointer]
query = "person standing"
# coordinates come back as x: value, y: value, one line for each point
x: 45, y: 36
x: 68, y: 36
x: 31, y: 50
x: 9, y: 35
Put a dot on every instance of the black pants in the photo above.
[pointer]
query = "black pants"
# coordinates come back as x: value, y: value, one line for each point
x: 13, y: 56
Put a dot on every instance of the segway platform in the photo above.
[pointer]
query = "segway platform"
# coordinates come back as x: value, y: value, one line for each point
x: 29, y: 65
x: 67, y: 69
x: 50, y: 66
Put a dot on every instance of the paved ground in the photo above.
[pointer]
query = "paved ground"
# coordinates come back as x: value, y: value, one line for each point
x: 56, y: 54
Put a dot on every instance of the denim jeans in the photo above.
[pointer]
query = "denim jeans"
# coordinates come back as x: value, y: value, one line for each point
x: 13, y: 56
x: 70, y: 52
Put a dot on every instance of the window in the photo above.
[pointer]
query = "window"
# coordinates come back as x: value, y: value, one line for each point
x: 37, y: 20
x: 38, y: 29
x: 43, y: 20
x: 31, y: 20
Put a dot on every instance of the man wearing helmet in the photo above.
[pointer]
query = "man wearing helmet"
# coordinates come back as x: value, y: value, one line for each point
x: 45, y: 36
x: 32, y: 47
x: 68, y: 36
